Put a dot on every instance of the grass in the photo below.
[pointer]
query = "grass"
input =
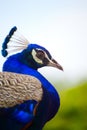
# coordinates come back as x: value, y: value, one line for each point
x: 72, y: 114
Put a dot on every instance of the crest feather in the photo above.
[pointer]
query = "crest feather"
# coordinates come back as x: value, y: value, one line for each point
x: 14, y: 42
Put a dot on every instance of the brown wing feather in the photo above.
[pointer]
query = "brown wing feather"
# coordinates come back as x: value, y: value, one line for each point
x: 17, y: 88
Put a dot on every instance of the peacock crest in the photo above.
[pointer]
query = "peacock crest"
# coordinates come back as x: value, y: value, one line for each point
x: 14, y: 42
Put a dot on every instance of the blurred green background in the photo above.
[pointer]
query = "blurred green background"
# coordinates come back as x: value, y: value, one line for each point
x: 72, y: 114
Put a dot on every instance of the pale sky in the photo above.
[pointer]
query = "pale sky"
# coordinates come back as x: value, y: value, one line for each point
x: 58, y: 25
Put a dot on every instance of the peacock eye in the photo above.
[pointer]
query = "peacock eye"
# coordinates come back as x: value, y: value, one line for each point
x: 40, y: 54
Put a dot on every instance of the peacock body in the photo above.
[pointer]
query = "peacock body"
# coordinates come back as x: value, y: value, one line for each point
x: 27, y: 99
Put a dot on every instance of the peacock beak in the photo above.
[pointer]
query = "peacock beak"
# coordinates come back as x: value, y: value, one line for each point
x: 55, y: 64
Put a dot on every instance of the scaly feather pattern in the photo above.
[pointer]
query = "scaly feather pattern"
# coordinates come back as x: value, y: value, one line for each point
x: 20, y: 88
x: 28, y: 99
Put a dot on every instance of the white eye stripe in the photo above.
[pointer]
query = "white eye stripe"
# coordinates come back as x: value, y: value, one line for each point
x: 46, y: 56
x: 36, y: 58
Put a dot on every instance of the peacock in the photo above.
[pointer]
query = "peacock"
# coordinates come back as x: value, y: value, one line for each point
x: 27, y: 99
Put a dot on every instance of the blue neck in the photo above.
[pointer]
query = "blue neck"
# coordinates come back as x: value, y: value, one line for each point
x: 13, y: 64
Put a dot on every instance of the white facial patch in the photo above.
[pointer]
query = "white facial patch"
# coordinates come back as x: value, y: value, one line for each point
x: 36, y: 58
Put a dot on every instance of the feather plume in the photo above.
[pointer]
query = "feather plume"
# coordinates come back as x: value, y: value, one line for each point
x: 14, y: 42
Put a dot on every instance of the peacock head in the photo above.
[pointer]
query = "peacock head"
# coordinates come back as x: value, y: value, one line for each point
x: 32, y: 55
x: 37, y: 56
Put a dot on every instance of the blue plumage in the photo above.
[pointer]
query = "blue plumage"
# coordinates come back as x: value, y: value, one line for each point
x: 31, y: 115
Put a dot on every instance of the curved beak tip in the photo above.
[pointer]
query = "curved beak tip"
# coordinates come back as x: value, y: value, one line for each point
x: 55, y: 64
x: 60, y: 68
